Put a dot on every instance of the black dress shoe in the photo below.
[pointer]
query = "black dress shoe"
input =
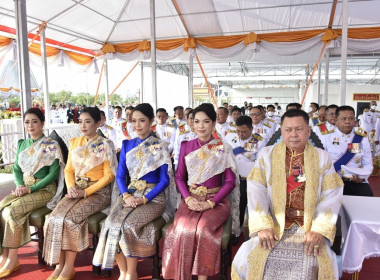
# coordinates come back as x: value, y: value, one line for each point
x: 235, y: 240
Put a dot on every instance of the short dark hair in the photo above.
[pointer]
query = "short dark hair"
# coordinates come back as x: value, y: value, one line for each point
x: 322, y: 106
x: 146, y: 109
x: 189, y: 108
x: 236, y: 109
x: 270, y: 106
x: 344, y: 108
x: 244, y: 120
x: 94, y: 112
x: 294, y: 104
x: 315, y: 104
x: 178, y: 108
x: 37, y: 112
x: 102, y: 113
x: 208, y: 109
x: 188, y: 113
x: 118, y: 107
x: 292, y: 113
x: 332, y: 106
x: 161, y: 110
x: 225, y: 103
x: 224, y: 109
x: 129, y: 108
x: 257, y: 107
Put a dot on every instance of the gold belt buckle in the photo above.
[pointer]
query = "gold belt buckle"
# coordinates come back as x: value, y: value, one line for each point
x: 140, y: 185
x: 201, y: 191
x: 82, y: 182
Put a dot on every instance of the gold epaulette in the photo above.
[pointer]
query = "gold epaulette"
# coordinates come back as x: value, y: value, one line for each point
x: 153, y: 125
x: 231, y: 131
x: 360, y: 131
x: 232, y: 124
x: 327, y: 132
x: 320, y: 123
x: 183, y: 132
x: 271, y: 120
x: 181, y: 124
x: 170, y: 125
x: 109, y: 127
x: 267, y: 125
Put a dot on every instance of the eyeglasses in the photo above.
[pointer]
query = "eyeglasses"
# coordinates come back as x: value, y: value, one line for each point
x: 255, y: 114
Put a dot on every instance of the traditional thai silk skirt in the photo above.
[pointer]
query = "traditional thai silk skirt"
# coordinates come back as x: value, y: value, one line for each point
x: 130, y: 229
x: 14, y: 215
x: 288, y: 260
x: 66, y: 228
x: 193, y: 242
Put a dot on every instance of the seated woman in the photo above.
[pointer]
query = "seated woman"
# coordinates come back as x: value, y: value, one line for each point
x: 193, y: 242
x: 91, y: 167
x: 129, y: 226
x: 35, y: 171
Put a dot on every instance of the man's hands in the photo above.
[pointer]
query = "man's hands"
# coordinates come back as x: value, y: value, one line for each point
x: 313, y: 243
x: 267, y: 238
x: 21, y: 191
x: 356, y: 179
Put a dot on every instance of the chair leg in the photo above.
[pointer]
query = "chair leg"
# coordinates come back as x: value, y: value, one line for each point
x: 224, y: 265
x: 95, y: 269
x: 156, y: 263
x: 40, y: 234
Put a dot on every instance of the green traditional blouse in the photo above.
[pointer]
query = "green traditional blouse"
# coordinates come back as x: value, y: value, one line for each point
x: 47, y: 173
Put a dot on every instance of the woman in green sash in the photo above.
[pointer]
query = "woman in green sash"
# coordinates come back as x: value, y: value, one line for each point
x: 36, y: 169
x: 90, y: 170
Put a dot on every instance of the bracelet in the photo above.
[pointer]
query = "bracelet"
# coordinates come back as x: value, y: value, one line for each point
x: 212, y: 204
x: 187, y: 199
x: 126, y: 195
x: 145, y: 199
x: 85, y: 194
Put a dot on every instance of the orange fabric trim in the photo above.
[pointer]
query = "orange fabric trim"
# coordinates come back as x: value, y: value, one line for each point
x: 5, y: 41
x: 79, y: 58
x: 170, y: 44
x: 329, y: 35
x: 362, y: 33
x: 220, y: 42
x: 50, y: 51
x: 251, y: 38
x: 16, y: 89
x: 190, y: 43
x: 108, y: 48
x: 145, y: 46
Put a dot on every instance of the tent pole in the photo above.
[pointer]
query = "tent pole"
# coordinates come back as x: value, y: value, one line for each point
x: 319, y: 85
x: 190, y: 82
x: 107, y: 90
x: 327, y: 66
x: 153, y: 52
x: 142, y: 81
x: 343, y: 78
x: 23, y: 57
x: 46, y: 79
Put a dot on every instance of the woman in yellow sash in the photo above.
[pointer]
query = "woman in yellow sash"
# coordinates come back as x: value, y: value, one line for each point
x: 36, y: 169
x: 91, y: 167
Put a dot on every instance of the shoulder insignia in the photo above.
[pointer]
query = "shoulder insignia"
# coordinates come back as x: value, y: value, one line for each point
x: 267, y: 125
x: 271, y: 120
x: 327, y: 132
x: 170, y: 125
x: 361, y: 132
x: 183, y: 132
x: 231, y: 131
x: 181, y: 124
x: 257, y: 136
x: 232, y: 124
x: 109, y: 127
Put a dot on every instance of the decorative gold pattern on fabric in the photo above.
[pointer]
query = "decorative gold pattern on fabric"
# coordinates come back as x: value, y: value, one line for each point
x: 259, y: 222
x: 331, y: 181
x: 326, y: 270
x: 256, y: 263
x: 258, y: 208
x: 323, y: 225
x: 311, y: 161
x: 257, y: 175
x: 234, y: 274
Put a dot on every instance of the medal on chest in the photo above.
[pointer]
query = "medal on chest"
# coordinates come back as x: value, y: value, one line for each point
x: 299, y: 175
x: 355, y: 148
x: 335, y: 141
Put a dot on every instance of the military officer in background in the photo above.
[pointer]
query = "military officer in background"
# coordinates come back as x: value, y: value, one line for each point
x: 236, y: 113
x: 117, y: 124
x: 178, y: 117
x: 350, y: 152
x: 165, y: 131
x: 222, y: 126
x: 328, y: 126
x: 108, y: 131
x: 183, y: 133
x: 258, y: 127
x: 127, y: 127
x: 245, y: 144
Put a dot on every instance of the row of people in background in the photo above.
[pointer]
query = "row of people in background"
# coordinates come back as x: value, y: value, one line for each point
x: 214, y: 157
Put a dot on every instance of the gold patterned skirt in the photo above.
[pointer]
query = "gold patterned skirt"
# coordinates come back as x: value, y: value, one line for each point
x: 288, y: 260
x: 14, y: 215
x: 66, y: 228
x: 130, y: 229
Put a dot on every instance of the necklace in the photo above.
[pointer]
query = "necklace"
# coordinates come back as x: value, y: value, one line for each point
x: 31, y: 149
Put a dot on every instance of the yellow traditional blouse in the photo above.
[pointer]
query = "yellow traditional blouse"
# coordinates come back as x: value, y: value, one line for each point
x: 100, y: 173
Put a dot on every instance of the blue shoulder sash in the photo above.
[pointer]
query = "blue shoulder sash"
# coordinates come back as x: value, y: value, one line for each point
x: 347, y: 156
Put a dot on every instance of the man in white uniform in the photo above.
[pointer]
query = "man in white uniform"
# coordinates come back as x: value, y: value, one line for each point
x: 350, y: 152
x: 117, y: 124
x: 128, y: 125
x: 258, y: 126
x: 107, y: 130
x: 222, y: 126
x: 165, y: 131
x: 328, y: 126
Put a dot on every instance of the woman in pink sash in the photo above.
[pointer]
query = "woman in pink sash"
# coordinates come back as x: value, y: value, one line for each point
x: 205, y: 177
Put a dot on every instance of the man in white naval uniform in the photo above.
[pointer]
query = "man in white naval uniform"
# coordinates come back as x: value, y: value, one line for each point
x: 324, y: 128
x: 236, y: 113
x: 245, y: 146
x: 350, y: 152
x: 108, y: 131
x: 128, y: 117
x: 117, y: 125
x: 183, y: 133
x: 368, y: 123
x: 222, y: 126
x: 165, y: 131
x: 178, y: 118
x: 258, y: 126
